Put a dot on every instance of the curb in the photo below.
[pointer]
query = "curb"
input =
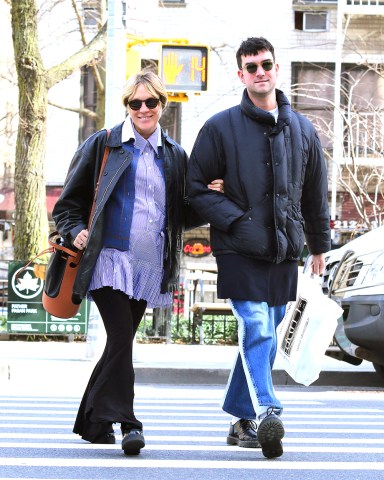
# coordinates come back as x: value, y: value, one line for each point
x: 46, y: 367
x: 66, y: 376
x: 216, y: 376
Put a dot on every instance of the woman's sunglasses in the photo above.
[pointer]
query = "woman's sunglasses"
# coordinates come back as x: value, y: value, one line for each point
x: 149, y: 102
x: 266, y: 66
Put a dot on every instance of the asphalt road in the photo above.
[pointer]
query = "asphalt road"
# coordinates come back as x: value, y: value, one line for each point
x: 333, y: 433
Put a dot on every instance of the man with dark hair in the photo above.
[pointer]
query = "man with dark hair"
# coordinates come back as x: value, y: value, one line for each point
x: 275, y: 198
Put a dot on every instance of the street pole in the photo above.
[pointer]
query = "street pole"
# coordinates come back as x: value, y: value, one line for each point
x: 114, y: 113
x: 115, y: 64
x: 337, y: 116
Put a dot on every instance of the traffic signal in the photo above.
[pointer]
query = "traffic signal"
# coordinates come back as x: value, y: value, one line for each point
x: 184, y: 68
x: 133, y: 62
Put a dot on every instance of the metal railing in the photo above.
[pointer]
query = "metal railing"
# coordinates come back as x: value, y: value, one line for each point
x: 364, y: 136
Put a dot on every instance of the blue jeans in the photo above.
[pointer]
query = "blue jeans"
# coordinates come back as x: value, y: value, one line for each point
x: 250, y: 391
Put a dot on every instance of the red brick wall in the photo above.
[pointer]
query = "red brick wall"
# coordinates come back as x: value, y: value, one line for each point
x: 348, y: 210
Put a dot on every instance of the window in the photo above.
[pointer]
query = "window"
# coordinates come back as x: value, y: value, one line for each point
x: 172, y: 3
x: 362, y: 97
x: 170, y: 121
x: 312, y: 95
x: 373, y: 3
x: 91, y: 13
x: 311, y: 21
x: 88, y: 102
x: 362, y: 101
x: 319, y: 1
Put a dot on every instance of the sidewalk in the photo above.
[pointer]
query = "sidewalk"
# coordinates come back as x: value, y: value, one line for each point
x: 65, y: 367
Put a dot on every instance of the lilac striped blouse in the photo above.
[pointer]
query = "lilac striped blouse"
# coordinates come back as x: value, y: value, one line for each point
x: 139, y: 271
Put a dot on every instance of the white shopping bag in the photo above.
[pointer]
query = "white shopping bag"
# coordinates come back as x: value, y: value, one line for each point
x: 306, y: 330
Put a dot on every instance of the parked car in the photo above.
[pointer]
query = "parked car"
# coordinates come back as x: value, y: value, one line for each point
x: 354, y: 278
x: 363, y: 243
x: 358, y: 287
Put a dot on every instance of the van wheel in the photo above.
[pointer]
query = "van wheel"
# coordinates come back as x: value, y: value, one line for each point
x: 379, y: 369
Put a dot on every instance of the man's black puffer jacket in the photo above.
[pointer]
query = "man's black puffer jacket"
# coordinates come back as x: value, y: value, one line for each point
x: 275, y: 183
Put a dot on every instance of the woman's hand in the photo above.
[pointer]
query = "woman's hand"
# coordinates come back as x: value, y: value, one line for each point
x: 81, y: 240
x: 217, y: 185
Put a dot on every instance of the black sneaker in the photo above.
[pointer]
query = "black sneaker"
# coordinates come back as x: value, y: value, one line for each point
x: 270, y: 432
x: 106, y: 434
x: 244, y: 434
x: 105, y: 438
x: 133, y: 441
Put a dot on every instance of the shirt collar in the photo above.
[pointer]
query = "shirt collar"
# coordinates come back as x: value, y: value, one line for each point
x: 128, y: 133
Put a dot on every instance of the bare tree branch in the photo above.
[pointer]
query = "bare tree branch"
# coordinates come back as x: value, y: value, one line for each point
x: 95, y: 68
x: 82, y: 111
x: 88, y: 55
x: 361, y: 168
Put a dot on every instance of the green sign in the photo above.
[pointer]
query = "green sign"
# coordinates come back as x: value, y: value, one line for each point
x: 26, y: 313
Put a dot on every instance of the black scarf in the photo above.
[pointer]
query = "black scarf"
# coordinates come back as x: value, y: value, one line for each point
x: 263, y: 116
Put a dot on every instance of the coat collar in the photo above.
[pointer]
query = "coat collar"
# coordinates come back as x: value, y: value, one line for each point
x: 115, y: 137
x: 128, y: 133
x: 260, y: 115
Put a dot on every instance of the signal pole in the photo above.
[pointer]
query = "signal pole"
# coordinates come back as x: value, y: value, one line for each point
x: 115, y: 64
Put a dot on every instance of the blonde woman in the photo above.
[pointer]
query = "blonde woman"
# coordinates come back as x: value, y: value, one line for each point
x: 132, y: 247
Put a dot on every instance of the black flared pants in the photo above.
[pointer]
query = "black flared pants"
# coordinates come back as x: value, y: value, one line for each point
x: 109, y: 395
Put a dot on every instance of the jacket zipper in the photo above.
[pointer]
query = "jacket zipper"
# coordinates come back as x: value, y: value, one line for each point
x: 274, y: 198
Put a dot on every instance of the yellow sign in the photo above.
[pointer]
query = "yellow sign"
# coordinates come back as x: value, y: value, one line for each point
x: 184, y: 68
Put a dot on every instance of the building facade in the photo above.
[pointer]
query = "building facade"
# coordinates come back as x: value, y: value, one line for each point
x: 330, y: 55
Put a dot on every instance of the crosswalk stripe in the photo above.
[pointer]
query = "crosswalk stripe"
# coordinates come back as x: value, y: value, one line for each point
x: 184, y: 405
x: 15, y: 401
x: 154, y: 423
x: 182, y: 438
x: 288, y: 411
x: 190, y: 434
x: 191, y: 418
x: 179, y: 413
x: 125, y: 462
x: 185, y: 438
x: 190, y: 448
x: 166, y: 427
x: 56, y: 418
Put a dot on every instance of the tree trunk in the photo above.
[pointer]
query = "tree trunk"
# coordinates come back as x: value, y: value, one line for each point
x: 31, y: 222
x: 34, y: 82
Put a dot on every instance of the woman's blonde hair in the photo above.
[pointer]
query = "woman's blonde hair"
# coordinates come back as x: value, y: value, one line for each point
x: 151, y: 82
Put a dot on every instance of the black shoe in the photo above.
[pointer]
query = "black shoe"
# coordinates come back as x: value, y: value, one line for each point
x: 244, y: 434
x: 133, y: 441
x: 105, y: 438
x: 270, y: 432
x: 100, y: 433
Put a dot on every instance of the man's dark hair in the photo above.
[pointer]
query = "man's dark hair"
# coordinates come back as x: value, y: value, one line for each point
x: 252, y: 46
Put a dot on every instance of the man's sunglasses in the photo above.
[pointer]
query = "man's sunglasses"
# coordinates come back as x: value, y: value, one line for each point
x: 267, y: 65
x: 149, y: 102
